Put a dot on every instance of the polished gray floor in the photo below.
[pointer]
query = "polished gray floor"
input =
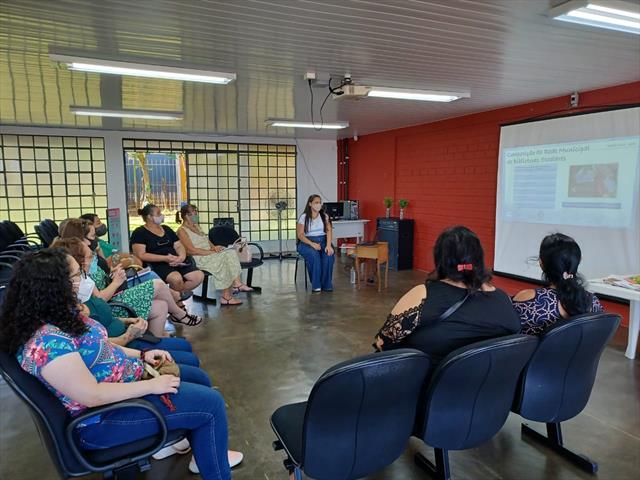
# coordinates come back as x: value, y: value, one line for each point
x: 270, y: 350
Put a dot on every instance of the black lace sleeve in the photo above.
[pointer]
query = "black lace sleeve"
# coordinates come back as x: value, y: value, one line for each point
x: 398, y: 327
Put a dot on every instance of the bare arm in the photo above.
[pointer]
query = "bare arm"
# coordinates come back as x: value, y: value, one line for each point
x: 302, y: 237
x: 403, y: 319
x: 69, y: 375
x: 188, y: 245
x: 180, y: 250
x: 118, y: 277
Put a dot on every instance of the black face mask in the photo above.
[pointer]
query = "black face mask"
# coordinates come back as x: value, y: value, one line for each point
x: 93, y: 245
x: 101, y: 230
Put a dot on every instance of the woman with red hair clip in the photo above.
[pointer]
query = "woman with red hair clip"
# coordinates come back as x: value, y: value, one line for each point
x: 456, y: 306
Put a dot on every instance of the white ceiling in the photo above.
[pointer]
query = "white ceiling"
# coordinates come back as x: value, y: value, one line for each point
x: 504, y: 51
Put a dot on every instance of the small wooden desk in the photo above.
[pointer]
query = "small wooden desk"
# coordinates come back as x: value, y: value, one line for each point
x: 378, y: 252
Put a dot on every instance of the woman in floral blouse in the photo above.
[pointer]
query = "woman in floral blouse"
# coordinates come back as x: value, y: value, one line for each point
x: 71, y: 354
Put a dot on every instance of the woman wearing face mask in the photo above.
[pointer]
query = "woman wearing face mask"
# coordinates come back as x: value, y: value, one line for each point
x: 101, y: 230
x: 160, y: 247
x: 142, y: 297
x: 223, y: 264
x: 72, y: 356
x: 314, y: 233
x: 126, y: 332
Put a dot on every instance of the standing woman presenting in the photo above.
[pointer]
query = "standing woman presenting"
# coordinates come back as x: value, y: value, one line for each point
x: 315, y: 234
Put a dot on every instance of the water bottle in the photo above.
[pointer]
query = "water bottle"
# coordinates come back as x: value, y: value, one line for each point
x: 353, y: 275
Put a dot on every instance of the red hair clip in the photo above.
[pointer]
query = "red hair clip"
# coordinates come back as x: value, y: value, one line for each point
x: 464, y: 266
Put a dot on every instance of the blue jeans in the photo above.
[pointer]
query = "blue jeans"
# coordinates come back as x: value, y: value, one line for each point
x: 199, y: 409
x: 319, y: 264
x: 179, y: 348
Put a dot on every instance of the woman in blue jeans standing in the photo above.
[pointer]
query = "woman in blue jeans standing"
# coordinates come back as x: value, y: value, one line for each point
x: 71, y: 354
x: 314, y: 234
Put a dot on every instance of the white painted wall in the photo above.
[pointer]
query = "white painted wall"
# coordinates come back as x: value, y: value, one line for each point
x: 317, y: 165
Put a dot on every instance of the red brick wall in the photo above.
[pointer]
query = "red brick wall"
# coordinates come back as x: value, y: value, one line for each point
x: 448, y: 169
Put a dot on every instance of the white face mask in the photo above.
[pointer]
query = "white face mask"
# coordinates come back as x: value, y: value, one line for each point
x: 85, y: 289
x: 158, y: 220
x: 316, y: 207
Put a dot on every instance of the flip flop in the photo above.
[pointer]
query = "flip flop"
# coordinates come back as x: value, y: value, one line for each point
x: 227, y: 301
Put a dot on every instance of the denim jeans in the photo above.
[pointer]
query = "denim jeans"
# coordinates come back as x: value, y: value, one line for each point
x: 198, y: 409
x: 179, y: 348
x: 319, y: 264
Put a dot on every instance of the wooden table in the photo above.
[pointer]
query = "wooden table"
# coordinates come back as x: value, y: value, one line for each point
x: 598, y: 286
x: 378, y: 252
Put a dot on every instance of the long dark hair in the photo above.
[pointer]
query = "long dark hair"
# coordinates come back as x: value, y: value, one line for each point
x: 307, y: 213
x: 459, y: 257
x: 40, y: 291
x: 559, y: 257
x: 185, y: 209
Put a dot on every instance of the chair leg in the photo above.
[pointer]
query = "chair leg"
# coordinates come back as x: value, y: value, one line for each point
x: 295, y: 271
x: 250, y: 279
x: 306, y: 275
x: 553, y: 440
x: 439, y: 471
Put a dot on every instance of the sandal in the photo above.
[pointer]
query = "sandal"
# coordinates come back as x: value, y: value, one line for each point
x: 181, y: 305
x: 229, y: 301
x: 192, y: 320
x: 242, y: 288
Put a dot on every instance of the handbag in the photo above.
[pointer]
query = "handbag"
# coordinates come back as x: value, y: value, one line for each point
x: 164, y: 368
x: 243, y: 250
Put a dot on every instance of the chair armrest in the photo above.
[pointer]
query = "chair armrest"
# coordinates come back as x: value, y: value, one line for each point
x: 28, y: 241
x: 19, y: 244
x: 259, y: 248
x: 142, y: 455
x: 4, y: 255
x: 130, y: 311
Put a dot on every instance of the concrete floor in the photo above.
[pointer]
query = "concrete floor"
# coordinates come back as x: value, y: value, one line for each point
x: 270, y: 350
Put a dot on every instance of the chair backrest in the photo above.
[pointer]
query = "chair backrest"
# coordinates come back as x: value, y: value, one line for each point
x: 223, y: 235
x: 47, y: 230
x: 469, y: 395
x: 360, y: 414
x: 224, y: 222
x: 47, y: 412
x: 557, y: 382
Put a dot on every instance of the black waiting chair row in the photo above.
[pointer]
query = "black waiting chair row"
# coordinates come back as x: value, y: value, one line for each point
x: 361, y: 413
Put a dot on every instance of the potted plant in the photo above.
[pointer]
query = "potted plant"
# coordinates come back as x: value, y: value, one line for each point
x: 403, y: 204
x: 388, y: 202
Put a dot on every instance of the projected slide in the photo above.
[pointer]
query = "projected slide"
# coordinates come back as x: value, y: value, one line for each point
x: 587, y: 183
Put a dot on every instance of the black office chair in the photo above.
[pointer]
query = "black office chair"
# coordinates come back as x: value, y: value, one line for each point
x: 468, y: 397
x: 556, y: 383
x: 358, y: 418
x: 12, y: 236
x: 223, y: 234
x: 295, y: 271
x: 47, y: 231
x: 56, y: 429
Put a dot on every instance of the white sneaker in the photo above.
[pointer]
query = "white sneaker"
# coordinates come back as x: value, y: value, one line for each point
x: 235, y: 458
x: 180, y: 448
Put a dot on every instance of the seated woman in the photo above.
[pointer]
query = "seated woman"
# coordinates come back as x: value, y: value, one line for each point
x: 72, y: 356
x: 314, y: 234
x: 160, y: 247
x: 223, y: 264
x: 563, y: 295
x: 126, y: 332
x: 108, y: 250
x: 455, y: 307
x: 152, y: 300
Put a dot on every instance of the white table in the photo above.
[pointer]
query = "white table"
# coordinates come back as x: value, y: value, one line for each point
x: 597, y: 286
x: 349, y: 229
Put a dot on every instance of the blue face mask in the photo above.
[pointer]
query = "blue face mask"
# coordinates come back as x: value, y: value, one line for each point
x: 93, y: 268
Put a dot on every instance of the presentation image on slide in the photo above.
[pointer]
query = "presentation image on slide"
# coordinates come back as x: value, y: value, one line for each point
x: 594, y: 181
x: 590, y: 183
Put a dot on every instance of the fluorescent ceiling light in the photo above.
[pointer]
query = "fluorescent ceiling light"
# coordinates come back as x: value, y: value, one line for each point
x: 409, y: 94
x: 143, y: 114
x: 142, y: 70
x: 611, y: 14
x: 272, y: 122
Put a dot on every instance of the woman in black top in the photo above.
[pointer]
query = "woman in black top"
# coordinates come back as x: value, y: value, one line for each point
x: 159, y: 246
x: 455, y: 307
